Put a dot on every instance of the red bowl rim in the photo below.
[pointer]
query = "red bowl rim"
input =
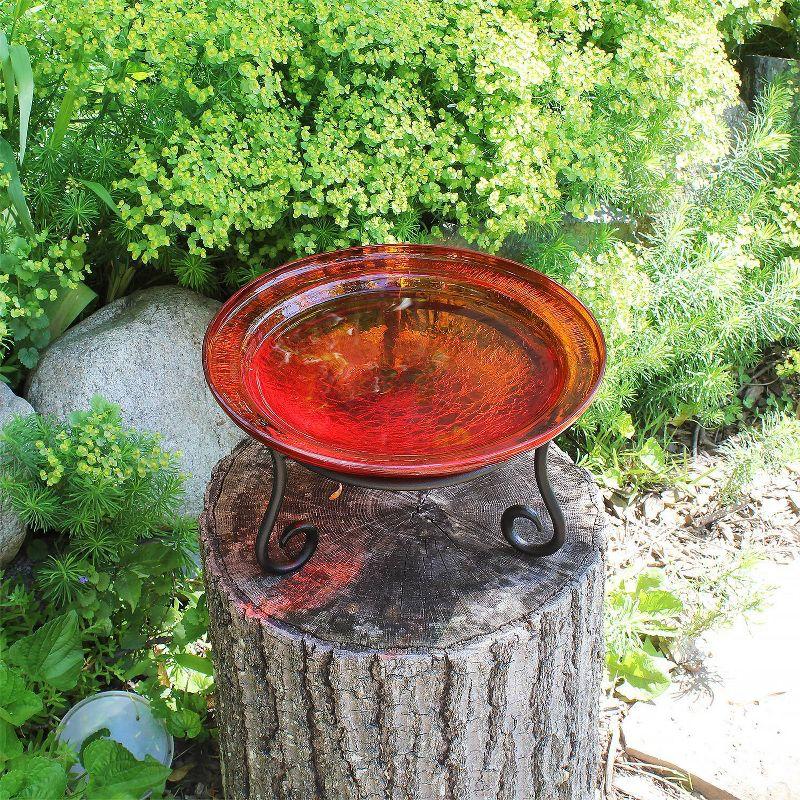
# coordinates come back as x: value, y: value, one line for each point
x: 404, y: 471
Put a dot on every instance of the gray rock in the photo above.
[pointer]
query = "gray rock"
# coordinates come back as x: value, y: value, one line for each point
x: 12, y: 531
x: 144, y: 353
x: 758, y: 71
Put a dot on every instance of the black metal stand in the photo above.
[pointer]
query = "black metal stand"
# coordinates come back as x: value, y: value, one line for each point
x: 311, y: 534
x: 513, y: 513
x: 270, y: 566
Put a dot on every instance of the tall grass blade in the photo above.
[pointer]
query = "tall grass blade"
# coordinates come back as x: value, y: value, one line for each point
x: 8, y: 165
x: 63, y: 118
x: 102, y: 193
x: 8, y: 76
x: 64, y: 311
x: 23, y: 75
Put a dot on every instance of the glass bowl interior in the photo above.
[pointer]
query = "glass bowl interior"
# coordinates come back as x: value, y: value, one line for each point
x: 403, y: 360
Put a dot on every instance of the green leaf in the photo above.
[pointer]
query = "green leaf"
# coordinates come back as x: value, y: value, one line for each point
x: 9, y: 263
x: 34, y: 778
x: 653, y: 457
x: 661, y: 602
x: 17, y: 703
x: 8, y: 76
x: 623, y: 424
x: 780, y: 20
x: 100, y: 733
x: 53, y: 653
x: 154, y: 558
x: 645, y: 675
x: 40, y: 339
x: 201, y: 664
x: 23, y: 75
x: 184, y: 723
x: 15, y: 193
x: 10, y: 745
x: 114, y: 773
x: 129, y: 588
x: 63, y: 117
x: 28, y: 356
x: 64, y: 311
x: 649, y: 579
x: 102, y: 193
x: 194, y: 622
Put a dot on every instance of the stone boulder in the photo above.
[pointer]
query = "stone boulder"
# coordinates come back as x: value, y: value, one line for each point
x: 12, y: 531
x: 144, y: 352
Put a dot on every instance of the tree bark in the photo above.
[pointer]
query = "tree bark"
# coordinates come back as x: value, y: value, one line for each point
x: 417, y: 655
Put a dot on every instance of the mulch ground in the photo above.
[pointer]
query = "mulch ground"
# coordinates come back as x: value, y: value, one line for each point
x: 689, y: 533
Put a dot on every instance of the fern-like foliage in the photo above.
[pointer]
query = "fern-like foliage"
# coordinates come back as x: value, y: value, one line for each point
x: 692, y: 304
x: 104, y: 486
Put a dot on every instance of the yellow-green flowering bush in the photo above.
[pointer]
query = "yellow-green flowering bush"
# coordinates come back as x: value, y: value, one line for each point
x: 787, y: 218
x: 35, y: 271
x: 107, y: 486
x: 268, y: 126
x: 740, y: 19
x: 690, y: 307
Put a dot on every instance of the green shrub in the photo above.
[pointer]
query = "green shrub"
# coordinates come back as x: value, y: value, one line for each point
x: 763, y: 27
x: 774, y: 443
x: 642, y: 617
x: 252, y: 129
x: 648, y: 613
x: 688, y: 309
x: 105, y: 487
x: 42, y: 254
x: 742, y: 19
x: 49, y: 660
x: 39, y: 273
x: 110, y: 547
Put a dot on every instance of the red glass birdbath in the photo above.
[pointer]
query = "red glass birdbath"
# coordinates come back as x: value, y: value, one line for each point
x: 403, y: 367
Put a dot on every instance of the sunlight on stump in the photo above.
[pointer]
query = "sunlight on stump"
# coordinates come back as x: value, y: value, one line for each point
x: 417, y: 655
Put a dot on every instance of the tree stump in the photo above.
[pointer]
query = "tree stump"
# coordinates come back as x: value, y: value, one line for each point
x: 417, y: 655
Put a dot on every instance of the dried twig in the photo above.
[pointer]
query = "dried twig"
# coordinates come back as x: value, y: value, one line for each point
x: 715, y: 516
x: 611, y: 758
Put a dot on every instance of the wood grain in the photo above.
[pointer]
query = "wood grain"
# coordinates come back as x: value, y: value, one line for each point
x: 417, y: 655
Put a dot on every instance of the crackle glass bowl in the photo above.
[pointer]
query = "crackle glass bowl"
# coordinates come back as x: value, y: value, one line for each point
x: 399, y: 361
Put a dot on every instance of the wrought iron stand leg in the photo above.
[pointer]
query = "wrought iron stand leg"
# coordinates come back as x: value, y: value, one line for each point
x: 511, y: 514
x: 293, y: 529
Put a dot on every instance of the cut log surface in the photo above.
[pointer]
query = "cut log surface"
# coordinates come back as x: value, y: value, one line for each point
x: 417, y: 655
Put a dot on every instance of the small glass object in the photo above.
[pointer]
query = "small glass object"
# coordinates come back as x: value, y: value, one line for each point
x: 127, y: 719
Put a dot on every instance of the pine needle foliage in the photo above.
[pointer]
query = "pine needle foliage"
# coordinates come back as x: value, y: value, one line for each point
x: 111, y: 547
x: 774, y: 443
x: 689, y: 307
x: 105, y: 486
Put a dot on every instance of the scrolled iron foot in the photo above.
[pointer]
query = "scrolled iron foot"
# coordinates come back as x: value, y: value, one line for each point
x: 513, y: 513
x: 305, y: 529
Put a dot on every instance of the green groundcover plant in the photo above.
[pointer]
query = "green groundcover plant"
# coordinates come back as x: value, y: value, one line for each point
x: 650, y: 613
x: 50, y: 659
x: 109, y: 599
x: 236, y: 132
